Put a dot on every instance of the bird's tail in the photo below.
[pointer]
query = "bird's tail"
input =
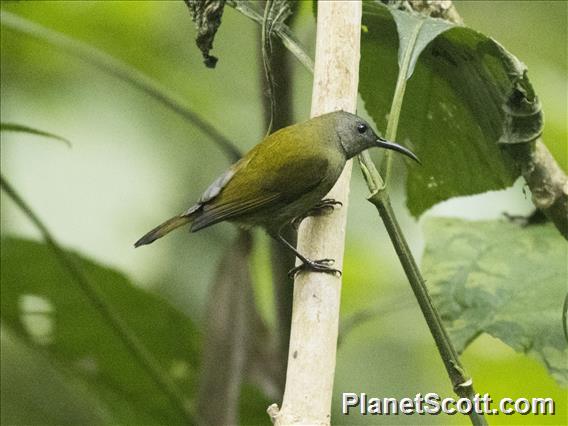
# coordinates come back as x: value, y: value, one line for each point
x: 165, y: 228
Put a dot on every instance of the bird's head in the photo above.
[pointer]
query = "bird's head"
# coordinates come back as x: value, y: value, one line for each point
x: 356, y: 135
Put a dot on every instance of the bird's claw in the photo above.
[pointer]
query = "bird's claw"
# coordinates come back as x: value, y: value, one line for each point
x: 324, y: 207
x: 322, y: 265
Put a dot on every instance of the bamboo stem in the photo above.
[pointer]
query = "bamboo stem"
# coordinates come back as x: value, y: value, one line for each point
x: 315, y: 315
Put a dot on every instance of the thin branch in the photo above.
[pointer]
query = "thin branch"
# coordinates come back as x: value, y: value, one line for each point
x: 121, y: 70
x: 379, y: 197
x: 122, y: 330
x: 545, y: 178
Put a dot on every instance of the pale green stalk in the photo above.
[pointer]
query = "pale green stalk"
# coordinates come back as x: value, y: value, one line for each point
x: 396, y: 106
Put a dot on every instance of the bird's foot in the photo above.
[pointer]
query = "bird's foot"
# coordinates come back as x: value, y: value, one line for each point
x: 323, y: 208
x: 327, y: 205
x: 322, y: 265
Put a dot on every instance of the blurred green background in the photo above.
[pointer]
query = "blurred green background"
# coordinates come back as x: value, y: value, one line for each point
x: 134, y: 163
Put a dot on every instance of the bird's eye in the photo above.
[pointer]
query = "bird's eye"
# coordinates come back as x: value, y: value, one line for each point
x: 361, y: 128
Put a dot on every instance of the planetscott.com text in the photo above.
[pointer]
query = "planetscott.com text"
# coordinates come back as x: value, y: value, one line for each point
x: 432, y: 403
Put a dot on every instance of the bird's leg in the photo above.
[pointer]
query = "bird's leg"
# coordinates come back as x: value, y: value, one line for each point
x: 322, y: 265
x: 324, y: 207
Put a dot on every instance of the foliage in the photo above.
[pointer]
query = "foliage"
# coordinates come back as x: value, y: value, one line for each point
x: 464, y: 97
x: 44, y: 308
x: 499, y: 278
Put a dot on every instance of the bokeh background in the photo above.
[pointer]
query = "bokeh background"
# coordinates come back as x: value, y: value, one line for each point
x: 134, y: 163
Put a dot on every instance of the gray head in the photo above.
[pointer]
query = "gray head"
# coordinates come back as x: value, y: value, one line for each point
x: 356, y: 135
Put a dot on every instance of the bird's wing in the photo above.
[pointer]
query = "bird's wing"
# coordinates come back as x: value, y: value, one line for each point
x: 259, y: 184
x: 218, y: 184
x: 221, y: 212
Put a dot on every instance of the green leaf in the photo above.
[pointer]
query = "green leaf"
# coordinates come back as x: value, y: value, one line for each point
x: 38, y: 393
x: 415, y: 33
x: 43, y: 306
x: 12, y: 127
x: 502, y: 279
x: 466, y: 96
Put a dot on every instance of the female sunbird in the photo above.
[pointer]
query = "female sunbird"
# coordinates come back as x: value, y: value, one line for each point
x: 282, y: 180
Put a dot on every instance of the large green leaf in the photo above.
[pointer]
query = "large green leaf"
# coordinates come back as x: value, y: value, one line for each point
x: 45, y: 308
x: 466, y: 95
x: 502, y: 279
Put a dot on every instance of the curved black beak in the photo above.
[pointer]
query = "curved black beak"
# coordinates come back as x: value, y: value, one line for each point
x: 383, y: 143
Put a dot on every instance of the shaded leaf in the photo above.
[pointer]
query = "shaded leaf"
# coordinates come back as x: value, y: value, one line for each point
x: 501, y: 279
x: 13, y: 127
x: 44, y: 307
x: 466, y: 96
x: 38, y: 393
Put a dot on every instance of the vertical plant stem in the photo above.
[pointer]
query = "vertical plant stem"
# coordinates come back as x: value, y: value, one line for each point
x: 396, y: 107
x: 229, y: 336
x: 315, y: 314
x: 379, y: 197
x: 281, y: 259
x: 122, y: 330
x: 462, y: 384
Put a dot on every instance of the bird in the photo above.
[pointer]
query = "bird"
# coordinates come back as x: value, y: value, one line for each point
x: 282, y: 180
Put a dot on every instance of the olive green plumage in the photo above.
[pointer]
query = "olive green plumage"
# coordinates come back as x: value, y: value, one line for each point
x: 281, y: 178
